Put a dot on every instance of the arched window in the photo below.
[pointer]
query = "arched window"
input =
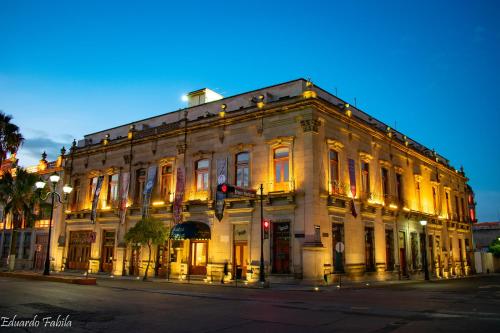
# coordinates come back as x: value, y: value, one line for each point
x: 281, y: 168
x: 202, y: 171
x: 242, y: 169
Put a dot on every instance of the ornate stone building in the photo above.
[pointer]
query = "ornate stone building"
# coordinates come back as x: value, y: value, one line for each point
x: 330, y: 172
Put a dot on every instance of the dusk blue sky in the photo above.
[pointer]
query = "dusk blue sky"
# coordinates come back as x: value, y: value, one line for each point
x: 428, y: 68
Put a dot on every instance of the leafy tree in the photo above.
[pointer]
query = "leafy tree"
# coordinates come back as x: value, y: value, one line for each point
x: 147, y: 231
x: 10, y: 137
x: 495, y: 248
x: 18, y: 197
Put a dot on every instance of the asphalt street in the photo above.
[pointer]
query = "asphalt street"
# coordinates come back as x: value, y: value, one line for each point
x: 461, y: 305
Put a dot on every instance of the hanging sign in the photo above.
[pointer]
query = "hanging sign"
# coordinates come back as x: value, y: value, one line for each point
x: 148, y: 189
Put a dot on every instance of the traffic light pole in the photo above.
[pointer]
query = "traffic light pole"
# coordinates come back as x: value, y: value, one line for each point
x: 262, y: 278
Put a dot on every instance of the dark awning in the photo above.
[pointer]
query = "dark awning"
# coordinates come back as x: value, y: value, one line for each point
x: 191, y: 230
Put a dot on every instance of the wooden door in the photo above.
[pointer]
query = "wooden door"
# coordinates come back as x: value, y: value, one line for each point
x: 40, y: 251
x: 79, y: 250
x: 107, y: 251
x: 240, y: 255
x: 402, y: 253
x: 135, y: 261
x: 281, y: 248
x: 198, y: 256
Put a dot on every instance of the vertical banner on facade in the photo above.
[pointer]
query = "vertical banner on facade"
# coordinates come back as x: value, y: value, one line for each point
x: 179, y: 196
x: 124, y: 186
x: 148, y: 190
x: 352, y: 180
x: 219, y: 196
x: 95, y: 199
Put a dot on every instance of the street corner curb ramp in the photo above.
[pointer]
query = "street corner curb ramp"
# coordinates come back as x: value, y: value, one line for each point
x: 53, y: 278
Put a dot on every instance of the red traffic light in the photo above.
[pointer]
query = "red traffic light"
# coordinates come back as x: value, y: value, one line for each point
x: 266, y: 224
x: 224, y: 188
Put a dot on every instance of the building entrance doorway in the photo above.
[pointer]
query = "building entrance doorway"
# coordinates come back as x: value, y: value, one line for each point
x: 198, y: 256
x: 281, y: 248
x: 40, y: 251
x: 107, y: 251
x: 240, y: 256
x: 402, y: 253
x: 79, y: 250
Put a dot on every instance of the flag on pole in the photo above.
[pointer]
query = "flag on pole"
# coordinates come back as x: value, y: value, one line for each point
x: 352, y: 180
x: 179, y: 196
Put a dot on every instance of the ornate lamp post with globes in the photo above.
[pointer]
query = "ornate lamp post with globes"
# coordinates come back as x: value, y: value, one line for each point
x: 54, y: 179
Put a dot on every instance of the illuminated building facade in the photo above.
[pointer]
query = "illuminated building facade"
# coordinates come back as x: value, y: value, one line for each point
x: 23, y: 243
x: 330, y: 173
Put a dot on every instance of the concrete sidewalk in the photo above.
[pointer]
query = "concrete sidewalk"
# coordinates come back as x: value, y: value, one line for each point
x: 53, y: 278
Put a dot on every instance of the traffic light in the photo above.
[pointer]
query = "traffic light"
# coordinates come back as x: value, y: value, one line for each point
x: 266, y: 229
x: 225, y: 188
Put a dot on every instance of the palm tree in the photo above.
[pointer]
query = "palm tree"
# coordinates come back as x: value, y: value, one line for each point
x: 10, y: 137
x: 18, y: 197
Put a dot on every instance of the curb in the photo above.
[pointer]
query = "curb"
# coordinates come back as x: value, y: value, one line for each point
x: 62, y: 279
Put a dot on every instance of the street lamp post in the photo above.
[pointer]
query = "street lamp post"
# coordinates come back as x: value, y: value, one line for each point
x: 54, y: 179
x: 423, y: 223
x: 262, y: 278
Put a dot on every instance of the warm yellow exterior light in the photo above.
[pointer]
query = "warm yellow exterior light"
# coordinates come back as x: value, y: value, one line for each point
x: 158, y: 203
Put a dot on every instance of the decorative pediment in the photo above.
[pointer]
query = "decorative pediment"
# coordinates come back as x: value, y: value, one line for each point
x: 112, y: 170
x: 334, y: 144
x: 241, y: 147
x: 364, y: 156
x: 398, y: 169
x: 166, y: 160
x: 281, y: 140
x: 385, y: 163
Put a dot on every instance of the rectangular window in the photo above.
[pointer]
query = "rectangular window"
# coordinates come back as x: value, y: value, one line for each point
x: 399, y: 188
x: 166, y: 182
x: 365, y: 179
x: 75, y: 195
x: 26, y: 245
x: 419, y: 198
x: 92, y: 187
x: 334, y: 172
x: 385, y: 183
x: 140, y: 179
x: 448, y: 210
x: 242, y: 169
x: 112, y: 196
x: 434, y: 200
x: 202, y: 170
x: 281, y: 168
x: 462, y: 210
x: 457, y: 209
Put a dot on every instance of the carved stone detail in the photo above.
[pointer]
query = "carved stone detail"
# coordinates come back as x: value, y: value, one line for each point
x: 310, y: 125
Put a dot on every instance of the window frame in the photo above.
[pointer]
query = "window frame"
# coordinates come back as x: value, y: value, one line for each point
x: 205, y: 173
x: 244, y: 165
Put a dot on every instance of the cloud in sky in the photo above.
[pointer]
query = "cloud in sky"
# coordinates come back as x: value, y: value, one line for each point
x: 31, y: 151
